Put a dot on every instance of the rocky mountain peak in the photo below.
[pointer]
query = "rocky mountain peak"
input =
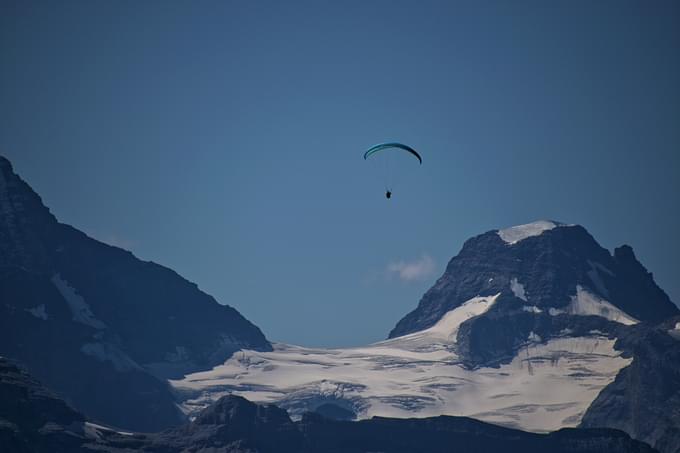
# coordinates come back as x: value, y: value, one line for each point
x: 99, y: 325
x: 542, y: 266
x: 232, y: 409
x: 25, y: 222
x: 625, y: 253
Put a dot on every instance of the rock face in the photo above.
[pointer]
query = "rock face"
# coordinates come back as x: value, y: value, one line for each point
x: 555, y: 280
x: 541, y: 265
x: 99, y: 326
x: 235, y: 424
x: 33, y: 420
x: 644, y: 400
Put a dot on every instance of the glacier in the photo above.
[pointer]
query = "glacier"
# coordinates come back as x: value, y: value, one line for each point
x: 421, y: 375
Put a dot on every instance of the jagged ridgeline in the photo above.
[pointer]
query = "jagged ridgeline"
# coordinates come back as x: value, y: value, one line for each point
x: 99, y: 326
x: 535, y: 327
x: 550, y: 267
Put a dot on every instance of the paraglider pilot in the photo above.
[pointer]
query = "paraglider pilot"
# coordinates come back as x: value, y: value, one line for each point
x: 383, y: 146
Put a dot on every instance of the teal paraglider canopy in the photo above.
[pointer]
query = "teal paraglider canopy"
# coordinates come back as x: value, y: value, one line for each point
x: 387, y: 154
x: 395, y: 146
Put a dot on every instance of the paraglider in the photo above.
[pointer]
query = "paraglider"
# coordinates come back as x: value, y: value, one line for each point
x: 386, y: 148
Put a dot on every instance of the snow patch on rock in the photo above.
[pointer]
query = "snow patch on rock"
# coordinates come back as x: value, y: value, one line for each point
x: 587, y: 304
x: 96, y: 431
x: 534, y: 337
x: 105, y: 352
x: 79, y: 308
x: 436, y: 342
x: 675, y: 332
x: 180, y: 354
x: 518, y: 289
x: 447, y: 327
x: 518, y: 233
x: 39, y: 312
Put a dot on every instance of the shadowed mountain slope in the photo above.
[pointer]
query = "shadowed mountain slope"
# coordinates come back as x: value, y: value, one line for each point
x: 99, y: 326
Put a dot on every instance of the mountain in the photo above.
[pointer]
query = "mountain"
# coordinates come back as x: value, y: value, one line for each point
x: 31, y: 417
x: 96, y: 324
x: 544, y: 264
x: 644, y: 400
x: 234, y: 421
x: 34, y: 420
x: 535, y: 327
x: 424, y: 374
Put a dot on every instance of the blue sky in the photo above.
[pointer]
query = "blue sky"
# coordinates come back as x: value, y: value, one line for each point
x: 225, y: 139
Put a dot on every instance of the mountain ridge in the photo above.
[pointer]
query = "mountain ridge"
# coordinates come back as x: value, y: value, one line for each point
x: 527, y: 309
x: 83, y: 316
x: 539, y: 330
x: 540, y: 261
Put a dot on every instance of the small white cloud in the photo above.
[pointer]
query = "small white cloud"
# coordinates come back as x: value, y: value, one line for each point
x: 408, y: 271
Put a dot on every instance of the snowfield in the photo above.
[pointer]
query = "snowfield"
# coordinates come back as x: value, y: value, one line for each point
x: 518, y: 233
x: 585, y: 303
x: 547, y: 386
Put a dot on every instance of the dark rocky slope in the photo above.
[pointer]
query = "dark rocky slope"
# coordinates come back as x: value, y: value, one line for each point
x: 33, y: 419
x: 99, y: 326
x: 549, y: 266
x: 644, y: 400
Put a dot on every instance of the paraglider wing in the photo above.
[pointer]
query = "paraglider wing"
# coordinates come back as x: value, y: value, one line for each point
x: 383, y: 146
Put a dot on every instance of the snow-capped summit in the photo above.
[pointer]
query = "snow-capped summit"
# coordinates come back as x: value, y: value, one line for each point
x: 513, y: 235
x: 527, y: 327
x: 539, y: 267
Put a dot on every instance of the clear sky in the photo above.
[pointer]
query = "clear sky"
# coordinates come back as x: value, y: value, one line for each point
x: 225, y: 139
